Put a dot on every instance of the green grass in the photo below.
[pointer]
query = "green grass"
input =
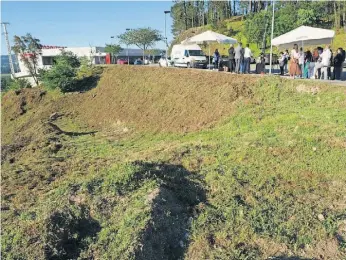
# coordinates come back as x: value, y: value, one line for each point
x: 264, y: 174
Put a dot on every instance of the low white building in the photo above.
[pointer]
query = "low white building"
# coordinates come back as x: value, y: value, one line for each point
x: 95, y: 54
x: 47, y: 53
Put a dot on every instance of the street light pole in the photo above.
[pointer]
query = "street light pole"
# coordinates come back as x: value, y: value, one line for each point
x: 127, y: 50
x: 112, y: 59
x: 271, y: 40
x: 166, y: 12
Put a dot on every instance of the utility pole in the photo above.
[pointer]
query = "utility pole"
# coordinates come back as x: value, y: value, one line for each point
x: 8, y: 48
x: 127, y: 49
x: 166, y: 12
x: 271, y: 39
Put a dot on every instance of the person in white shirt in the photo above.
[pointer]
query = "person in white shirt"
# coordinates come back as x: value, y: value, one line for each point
x: 247, y: 59
x: 324, y: 63
x: 326, y: 57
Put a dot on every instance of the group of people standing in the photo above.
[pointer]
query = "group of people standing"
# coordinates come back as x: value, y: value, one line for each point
x: 313, y: 65
x: 239, y: 59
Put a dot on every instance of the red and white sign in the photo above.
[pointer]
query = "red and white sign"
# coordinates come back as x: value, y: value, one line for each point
x: 52, y: 47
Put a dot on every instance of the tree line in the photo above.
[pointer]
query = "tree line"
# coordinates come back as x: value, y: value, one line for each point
x: 190, y: 14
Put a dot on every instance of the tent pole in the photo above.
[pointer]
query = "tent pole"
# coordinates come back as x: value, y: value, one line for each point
x: 271, y: 40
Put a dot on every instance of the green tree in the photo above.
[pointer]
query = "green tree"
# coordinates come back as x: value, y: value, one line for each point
x: 153, y: 52
x: 255, y: 27
x: 62, y: 74
x: 28, y: 48
x: 113, y: 49
x: 143, y: 38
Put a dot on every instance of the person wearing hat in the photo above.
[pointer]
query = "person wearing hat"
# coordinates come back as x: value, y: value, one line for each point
x: 231, y: 58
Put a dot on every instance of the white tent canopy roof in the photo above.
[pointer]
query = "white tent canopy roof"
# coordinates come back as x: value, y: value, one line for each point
x: 304, y: 35
x: 209, y: 37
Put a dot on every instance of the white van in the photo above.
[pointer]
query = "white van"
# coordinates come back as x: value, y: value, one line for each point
x: 188, y: 56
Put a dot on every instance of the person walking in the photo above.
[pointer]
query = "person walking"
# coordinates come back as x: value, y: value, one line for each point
x: 294, y: 66
x: 231, y: 58
x: 247, y: 59
x: 238, y: 55
x: 216, y: 59
x: 338, y: 61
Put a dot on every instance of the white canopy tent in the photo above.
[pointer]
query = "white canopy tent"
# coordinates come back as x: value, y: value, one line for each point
x: 304, y: 35
x: 209, y: 37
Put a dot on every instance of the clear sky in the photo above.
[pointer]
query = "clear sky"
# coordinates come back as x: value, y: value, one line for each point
x: 78, y: 24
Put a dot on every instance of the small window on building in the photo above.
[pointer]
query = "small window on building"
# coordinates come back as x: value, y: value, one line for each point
x: 47, y: 60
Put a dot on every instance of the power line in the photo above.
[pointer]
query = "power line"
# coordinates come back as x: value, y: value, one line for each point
x: 8, y: 48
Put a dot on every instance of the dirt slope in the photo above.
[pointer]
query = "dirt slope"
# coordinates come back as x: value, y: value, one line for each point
x: 162, y: 99
x: 266, y: 183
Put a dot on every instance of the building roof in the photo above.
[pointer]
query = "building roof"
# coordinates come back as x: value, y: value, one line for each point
x: 132, y: 52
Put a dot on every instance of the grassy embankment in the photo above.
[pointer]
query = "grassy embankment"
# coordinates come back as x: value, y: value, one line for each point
x: 183, y: 164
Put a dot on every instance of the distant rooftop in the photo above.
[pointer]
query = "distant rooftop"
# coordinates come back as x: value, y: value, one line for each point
x: 133, y: 52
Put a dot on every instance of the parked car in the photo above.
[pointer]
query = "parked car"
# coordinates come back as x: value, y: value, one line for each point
x: 138, y: 62
x: 122, y: 61
x: 163, y: 62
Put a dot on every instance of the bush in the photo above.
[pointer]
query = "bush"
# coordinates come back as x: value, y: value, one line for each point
x: 8, y: 83
x: 61, y: 76
x: 5, y: 83
x: 70, y: 74
x: 19, y: 84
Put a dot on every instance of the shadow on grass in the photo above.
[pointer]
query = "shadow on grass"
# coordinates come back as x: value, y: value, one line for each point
x: 88, y: 83
x: 68, y: 232
x: 173, y: 207
x: 58, y: 130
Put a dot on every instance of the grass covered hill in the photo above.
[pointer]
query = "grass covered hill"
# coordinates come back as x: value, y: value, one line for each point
x: 175, y: 164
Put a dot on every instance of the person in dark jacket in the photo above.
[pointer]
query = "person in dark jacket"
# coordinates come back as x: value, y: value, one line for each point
x: 282, y: 61
x: 239, y: 57
x: 260, y: 66
x: 308, y: 69
x: 231, y: 58
x: 329, y: 69
x: 216, y: 58
x: 338, y: 61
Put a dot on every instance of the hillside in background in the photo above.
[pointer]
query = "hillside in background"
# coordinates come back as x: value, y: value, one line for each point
x: 235, y: 28
x: 250, y: 21
x: 159, y: 163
